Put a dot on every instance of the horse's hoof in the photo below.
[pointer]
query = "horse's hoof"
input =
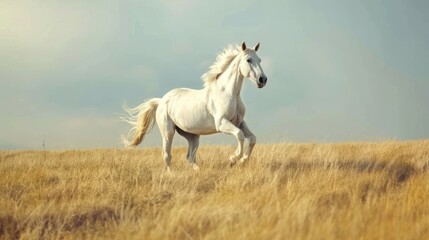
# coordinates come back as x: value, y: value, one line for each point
x: 195, y: 167
x: 242, y: 161
x: 232, y: 163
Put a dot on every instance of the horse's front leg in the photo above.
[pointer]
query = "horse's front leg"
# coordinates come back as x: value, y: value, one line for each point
x: 250, y: 137
x: 227, y: 127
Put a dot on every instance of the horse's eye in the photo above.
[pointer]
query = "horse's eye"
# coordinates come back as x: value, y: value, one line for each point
x: 249, y: 60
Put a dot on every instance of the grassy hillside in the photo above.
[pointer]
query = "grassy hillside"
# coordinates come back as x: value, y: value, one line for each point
x: 285, y: 191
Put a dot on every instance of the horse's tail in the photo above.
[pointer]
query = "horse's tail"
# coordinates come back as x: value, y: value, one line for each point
x: 142, y: 119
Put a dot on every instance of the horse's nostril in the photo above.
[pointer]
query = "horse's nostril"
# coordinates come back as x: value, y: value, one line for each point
x: 261, y: 79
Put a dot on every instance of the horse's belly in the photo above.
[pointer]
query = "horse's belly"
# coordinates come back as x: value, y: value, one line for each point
x: 197, y: 121
x: 200, y: 126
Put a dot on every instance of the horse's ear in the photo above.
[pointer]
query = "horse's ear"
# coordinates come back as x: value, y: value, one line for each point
x: 256, y: 47
x: 243, y: 46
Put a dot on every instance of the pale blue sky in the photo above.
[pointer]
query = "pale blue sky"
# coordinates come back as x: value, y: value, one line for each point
x: 337, y: 70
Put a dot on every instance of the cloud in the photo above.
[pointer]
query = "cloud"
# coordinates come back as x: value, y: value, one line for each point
x: 79, y: 122
x: 179, y: 8
x: 35, y: 35
x: 61, y: 132
x: 334, y: 72
x: 350, y: 93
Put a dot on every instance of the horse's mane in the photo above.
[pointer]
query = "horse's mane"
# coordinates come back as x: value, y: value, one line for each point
x: 222, y: 62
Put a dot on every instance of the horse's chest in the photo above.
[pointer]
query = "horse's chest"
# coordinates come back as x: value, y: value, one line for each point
x: 232, y: 113
x: 227, y: 109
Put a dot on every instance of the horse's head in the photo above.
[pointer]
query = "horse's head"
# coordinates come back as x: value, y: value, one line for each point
x: 250, y: 65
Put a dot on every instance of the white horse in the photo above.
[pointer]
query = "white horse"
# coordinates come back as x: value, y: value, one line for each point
x: 215, y: 108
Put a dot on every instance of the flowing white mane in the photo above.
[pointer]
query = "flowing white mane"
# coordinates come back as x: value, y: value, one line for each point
x: 222, y: 62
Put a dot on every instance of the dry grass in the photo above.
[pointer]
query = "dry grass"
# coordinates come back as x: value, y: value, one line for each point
x: 285, y: 191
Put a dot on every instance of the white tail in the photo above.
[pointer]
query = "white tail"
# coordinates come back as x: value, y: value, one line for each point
x: 142, y: 118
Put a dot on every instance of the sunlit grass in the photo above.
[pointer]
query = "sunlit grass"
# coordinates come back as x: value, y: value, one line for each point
x: 285, y: 191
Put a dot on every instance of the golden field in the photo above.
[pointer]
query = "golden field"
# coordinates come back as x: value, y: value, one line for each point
x: 285, y: 191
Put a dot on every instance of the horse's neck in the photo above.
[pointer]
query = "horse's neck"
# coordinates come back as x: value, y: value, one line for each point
x: 231, y: 80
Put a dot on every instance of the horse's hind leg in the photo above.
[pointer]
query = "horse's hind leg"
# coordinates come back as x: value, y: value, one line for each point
x: 167, y: 129
x: 166, y: 149
x: 193, y: 142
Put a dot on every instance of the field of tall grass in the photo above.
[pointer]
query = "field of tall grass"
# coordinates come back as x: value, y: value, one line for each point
x: 285, y: 191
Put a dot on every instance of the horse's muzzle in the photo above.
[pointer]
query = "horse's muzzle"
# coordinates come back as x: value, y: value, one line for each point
x: 262, y: 81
